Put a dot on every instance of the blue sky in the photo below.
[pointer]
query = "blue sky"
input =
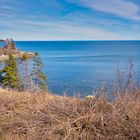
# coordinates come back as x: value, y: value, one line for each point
x: 70, y: 19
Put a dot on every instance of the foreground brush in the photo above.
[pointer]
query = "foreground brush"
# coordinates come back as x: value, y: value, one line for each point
x: 25, y: 116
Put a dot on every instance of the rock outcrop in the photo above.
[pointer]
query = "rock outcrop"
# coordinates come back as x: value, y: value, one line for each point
x: 9, y: 47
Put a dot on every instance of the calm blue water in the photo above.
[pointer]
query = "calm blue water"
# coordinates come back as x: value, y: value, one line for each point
x: 80, y: 66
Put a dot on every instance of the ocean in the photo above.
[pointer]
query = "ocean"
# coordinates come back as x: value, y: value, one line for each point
x: 79, y: 67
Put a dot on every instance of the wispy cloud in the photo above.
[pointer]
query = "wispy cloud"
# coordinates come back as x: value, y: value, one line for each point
x: 123, y: 8
x: 69, y: 20
x: 61, y: 30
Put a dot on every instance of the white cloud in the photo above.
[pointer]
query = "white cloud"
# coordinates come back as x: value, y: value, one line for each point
x: 62, y: 30
x: 76, y: 25
x: 122, y: 8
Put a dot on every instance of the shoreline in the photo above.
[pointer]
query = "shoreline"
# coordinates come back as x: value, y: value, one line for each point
x: 20, y: 55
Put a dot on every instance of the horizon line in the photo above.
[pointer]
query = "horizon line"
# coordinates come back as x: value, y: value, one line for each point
x: 74, y: 40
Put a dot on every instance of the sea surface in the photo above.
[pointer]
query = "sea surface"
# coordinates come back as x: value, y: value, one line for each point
x: 81, y: 66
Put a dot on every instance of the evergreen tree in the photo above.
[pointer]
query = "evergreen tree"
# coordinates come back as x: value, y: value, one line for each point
x: 26, y: 76
x: 9, y: 75
x: 38, y: 76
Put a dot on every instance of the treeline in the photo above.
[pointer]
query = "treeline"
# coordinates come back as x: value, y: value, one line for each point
x: 16, y: 74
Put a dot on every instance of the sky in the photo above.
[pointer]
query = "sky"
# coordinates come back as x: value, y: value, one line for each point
x: 70, y: 19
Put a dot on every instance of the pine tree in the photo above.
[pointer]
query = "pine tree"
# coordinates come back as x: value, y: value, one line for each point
x: 38, y: 76
x: 26, y: 76
x: 9, y: 75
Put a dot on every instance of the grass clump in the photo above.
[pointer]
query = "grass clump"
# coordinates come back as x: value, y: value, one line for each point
x: 25, y: 116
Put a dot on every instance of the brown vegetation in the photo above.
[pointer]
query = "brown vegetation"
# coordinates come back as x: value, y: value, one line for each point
x: 25, y: 116
x: 9, y: 48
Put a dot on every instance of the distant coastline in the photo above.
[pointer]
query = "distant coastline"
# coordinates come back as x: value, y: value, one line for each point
x: 20, y: 55
x: 10, y: 48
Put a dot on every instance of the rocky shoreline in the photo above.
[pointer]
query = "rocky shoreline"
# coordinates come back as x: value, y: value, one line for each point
x: 19, y: 55
x: 10, y: 48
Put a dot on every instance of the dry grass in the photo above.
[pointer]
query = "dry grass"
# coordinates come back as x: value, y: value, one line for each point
x: 25, y: 116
